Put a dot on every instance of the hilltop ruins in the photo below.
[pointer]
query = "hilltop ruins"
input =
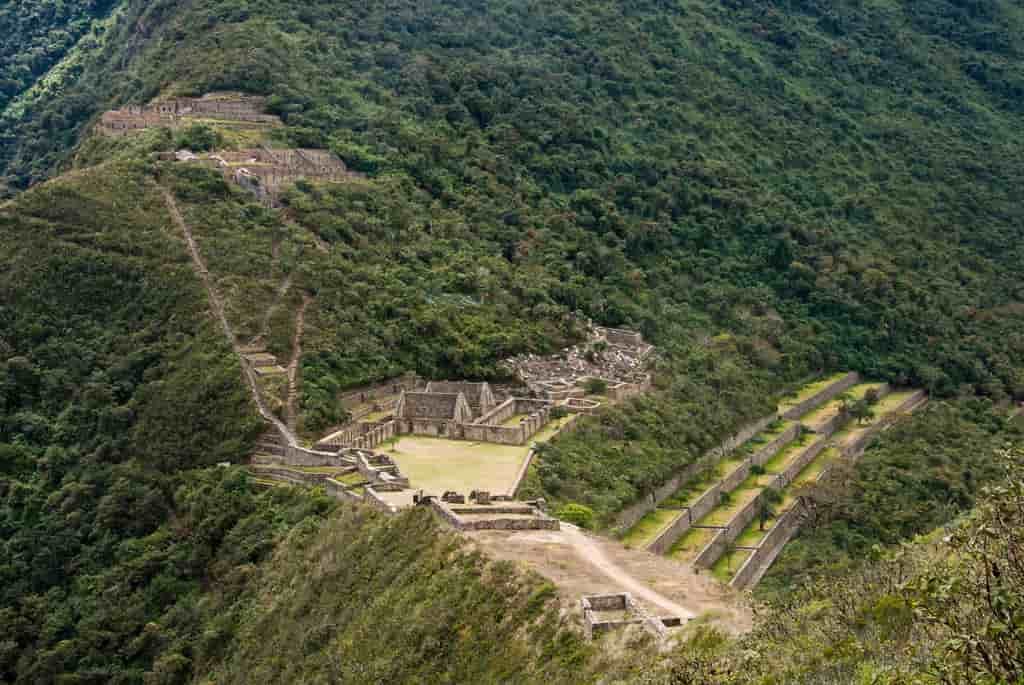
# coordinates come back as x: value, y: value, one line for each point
x: 240, y: 110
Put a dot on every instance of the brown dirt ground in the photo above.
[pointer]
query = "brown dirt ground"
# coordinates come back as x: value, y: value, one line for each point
x: 554, y: 555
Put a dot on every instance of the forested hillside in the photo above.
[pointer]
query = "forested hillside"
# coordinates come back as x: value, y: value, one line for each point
x: 767, y: 190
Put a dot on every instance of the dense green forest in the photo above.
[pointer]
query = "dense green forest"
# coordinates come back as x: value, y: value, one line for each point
x: 766, y: 189
x: 37, y: 34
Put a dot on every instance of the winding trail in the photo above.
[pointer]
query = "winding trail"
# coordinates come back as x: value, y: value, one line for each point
x: 217, y: 306
x: 293, y: 366
x: 588, y: 550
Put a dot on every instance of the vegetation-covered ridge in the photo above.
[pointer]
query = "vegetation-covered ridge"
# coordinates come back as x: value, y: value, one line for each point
x: 767, y: 190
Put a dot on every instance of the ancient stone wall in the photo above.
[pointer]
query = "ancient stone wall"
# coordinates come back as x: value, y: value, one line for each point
x: 393, y: 386
x: 478, y: 395
x: 593, y: 625
x: 500, y: 521
x: 648, y: 503
x: 712, y: 496
x: 764, y: 454
x: 757, y: 564
x: 719, y: 544
x: 500, y: 414
x: 618, y: 336
x: 805, y: 457
x: 857, y: 448
x: 840, y: 386
x: 434, y: 406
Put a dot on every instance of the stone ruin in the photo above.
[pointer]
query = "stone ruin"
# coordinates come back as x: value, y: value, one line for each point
x: 239, y: 109
x: 488, y: 512
x: 266, y: 171
x: 479, y: 395
x: 605, y: 613
x: 616, y: 357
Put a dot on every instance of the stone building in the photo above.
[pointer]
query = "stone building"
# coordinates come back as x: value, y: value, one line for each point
x: 479, y: 395
x: 433, y: 406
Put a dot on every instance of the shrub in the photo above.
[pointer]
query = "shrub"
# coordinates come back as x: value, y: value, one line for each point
x: 595, y: 386
x: 577, y: 514
x: 199, y: 138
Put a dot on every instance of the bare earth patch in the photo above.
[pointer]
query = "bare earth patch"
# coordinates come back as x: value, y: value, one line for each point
x: 580, y: 564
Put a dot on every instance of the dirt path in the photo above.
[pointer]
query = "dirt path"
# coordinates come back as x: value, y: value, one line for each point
x: 580, y: 564
x: 217, y: 306
x: 592, y: 554
x: 293, y: 366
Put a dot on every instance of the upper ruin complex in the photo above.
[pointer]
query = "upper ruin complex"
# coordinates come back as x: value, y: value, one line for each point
x: 241, y: 110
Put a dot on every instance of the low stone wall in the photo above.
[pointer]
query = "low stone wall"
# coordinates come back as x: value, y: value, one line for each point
x: 757, y: 564
x: 857, y: 448
x: 539, y: 521
x: 564, y: 429
x: 624, y: 602
x: 719, y: 544
x: 629, y: 516
x: 712, y: 496
x: 840, y: 386
x: 832, y: 425
x: 806, y: 456
x: 500, y: 414
x: 374, y: 500
x: 764, y: 454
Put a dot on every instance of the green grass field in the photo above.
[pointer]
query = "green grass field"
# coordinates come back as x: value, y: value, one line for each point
x: 436, y: 464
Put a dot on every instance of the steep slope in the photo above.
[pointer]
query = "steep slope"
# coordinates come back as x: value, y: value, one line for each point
x: 766, y: 190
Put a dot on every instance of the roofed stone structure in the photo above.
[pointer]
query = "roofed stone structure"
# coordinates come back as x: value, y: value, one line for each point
x: 479, y: 395
x: 434, y: 406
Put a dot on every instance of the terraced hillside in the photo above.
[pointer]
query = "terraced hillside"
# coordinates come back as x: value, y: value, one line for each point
x: 727, y: 516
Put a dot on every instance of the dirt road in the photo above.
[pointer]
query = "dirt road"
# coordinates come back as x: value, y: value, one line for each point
x: 590, y: 552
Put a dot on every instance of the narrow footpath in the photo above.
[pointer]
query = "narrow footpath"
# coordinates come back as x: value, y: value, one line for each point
x: 293, y: 365
x: 592, y: 554
x: 217, y: 306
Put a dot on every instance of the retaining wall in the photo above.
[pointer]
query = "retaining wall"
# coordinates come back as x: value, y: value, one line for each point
x: 712, y: 496
x: 628, y: 517
x: 719, y: 544
x: 805, y: 457
x: 840, y: 386
x: 539, y: 521
x: 857, y: 448
x: 761, y: 559
x: 764, y: 454
x: 566, y: 427
x: 757, y: 564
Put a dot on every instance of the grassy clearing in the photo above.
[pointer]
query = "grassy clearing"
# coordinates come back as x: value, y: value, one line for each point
x: 514, y: 420
x: 648, y: 527
x: 437, y: 464
x: 808, y: 391
x: 730, y: 562
x: 690, y: 545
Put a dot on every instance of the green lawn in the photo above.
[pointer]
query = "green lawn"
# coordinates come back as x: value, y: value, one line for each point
x: 437, y: 464
x: 725, y: 568
x: 647, y: 528
x: 690, y: 545
x: 808, y: 391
